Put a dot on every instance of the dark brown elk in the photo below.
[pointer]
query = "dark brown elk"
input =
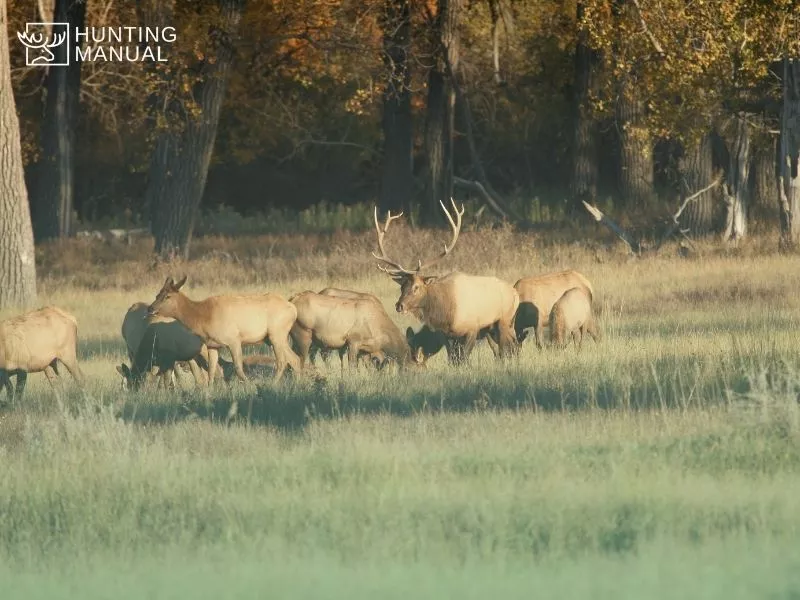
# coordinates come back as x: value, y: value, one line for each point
x: 572, y: 315
x: 538, y: 294
x: 37, y: 341
x: 457, y: 305
x: 355, y: 326
x: 426, y: 342
x: 230, y: 321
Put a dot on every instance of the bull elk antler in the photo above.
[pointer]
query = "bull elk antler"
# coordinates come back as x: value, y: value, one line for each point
x: 395, y: 268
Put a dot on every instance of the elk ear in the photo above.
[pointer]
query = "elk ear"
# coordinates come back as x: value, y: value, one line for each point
x: 168, y: 283
x: 399, y: 279
x: 429, y: 279
x: 124, y: 371
x: 179, y: 285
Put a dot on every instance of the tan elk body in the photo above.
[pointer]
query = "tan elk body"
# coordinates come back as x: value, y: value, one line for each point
x: 231, y: 321
x: 572, y: 316
x: 350, y: 295
x: 359, y: 326
x: 457, y: 305
x: 538, y: 294
x: 36, y: 341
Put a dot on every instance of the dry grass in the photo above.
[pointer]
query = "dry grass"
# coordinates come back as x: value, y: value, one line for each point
x: 679, y: 449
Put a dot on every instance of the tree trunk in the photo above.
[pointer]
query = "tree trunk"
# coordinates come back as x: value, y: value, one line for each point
x: 181, y: 158
x: 764, y: 199
x: 17, y: 259
x: 439, y: 125
x: 696, y: 170
x: 52, y: 194
x: 636, y: 148
x: 789, y: 150
x: 398, y: 167
x: 736, y: 184
x: 584, y: 165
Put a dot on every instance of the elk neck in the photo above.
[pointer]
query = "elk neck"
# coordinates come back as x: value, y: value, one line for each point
x: 191, y: 313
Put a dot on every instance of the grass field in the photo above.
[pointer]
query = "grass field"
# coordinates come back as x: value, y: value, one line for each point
x: 663, y: 462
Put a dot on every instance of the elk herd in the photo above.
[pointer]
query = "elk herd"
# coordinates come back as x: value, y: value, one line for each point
x: 456, y: 310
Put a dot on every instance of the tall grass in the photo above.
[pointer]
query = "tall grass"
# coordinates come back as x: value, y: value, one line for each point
x: 662, y: 462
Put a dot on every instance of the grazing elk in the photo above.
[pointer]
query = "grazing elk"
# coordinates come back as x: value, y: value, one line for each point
x: 457, y: 305
x: 36, y: 341
x: 572, y: 315
x: 538, y: 294
x: 170, y: 333
x: 230, y: 321
x: 426, y: 342
x: 340, y: 293
x: 356, y: 326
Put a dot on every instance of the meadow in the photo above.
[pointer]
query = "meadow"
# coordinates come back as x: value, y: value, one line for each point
x: 663, y: 462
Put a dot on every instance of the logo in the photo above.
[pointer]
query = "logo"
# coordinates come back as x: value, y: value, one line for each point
x: 40, y: 45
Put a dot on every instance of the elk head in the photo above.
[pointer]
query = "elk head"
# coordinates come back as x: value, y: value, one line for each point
x: 413, y: 286
x: 424, y: 343
x: 166, y: 302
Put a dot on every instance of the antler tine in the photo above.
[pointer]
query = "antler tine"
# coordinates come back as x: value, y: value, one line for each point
x: 455, y: 225
x: 395, y: 267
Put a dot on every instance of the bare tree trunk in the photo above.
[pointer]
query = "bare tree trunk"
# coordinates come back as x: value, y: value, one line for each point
x: 398, y: 164
x: 180, y: 161
x: 585, y: 158
x: 17, y: 260
x: 440, y: 121
x: 636, y: 148
x: 736, y: 184
x: 788, y: 175
x: 696, y: 170
x: 52, y: 194
x: 764, y: 199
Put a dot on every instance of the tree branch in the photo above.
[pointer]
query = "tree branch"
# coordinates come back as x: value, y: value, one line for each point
x: 646, y: 29
x: 633, y: 245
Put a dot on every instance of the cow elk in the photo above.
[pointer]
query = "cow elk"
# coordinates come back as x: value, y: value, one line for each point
x: 572, y: 315
x: 340, y: 293
x: 36, y: 341
x: 230, y: 321
x: 457, y: 305
x: 538, y: 294
x: 353, y: 326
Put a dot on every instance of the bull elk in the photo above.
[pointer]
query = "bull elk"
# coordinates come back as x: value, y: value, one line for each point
x: 538, y: 294
x: 572, y: 315
x: 229, y: 321
x: 355, y: 326
x: 37, y: 341
x: 457, y: 305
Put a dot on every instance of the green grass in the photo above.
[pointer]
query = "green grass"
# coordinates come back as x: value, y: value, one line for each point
x: 663, y: 462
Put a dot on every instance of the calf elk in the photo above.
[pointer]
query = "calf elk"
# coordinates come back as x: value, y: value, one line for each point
x: 457, y: 305
x: 572, y: 315
x: 538, y: 294
x: 230, y: 321
x: 36, y: 341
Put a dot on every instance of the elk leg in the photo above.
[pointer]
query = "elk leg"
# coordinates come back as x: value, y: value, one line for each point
x: 22, y: 379
x: 469, y: 343
x: 71, y: 362
x: 197, y: 372
x: 284, y: 355
x: 577, y: 337
x: 213, y: 360
x: 236, y: 354
x: 352, y: 355
x: 539, y: 334
x: 5, y: 380
x: 493, y: 339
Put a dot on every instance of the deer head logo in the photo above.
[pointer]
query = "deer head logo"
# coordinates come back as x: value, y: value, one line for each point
x: 38, y: 40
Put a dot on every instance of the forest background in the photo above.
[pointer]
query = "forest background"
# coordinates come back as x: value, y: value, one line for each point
x: 529, y: 107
